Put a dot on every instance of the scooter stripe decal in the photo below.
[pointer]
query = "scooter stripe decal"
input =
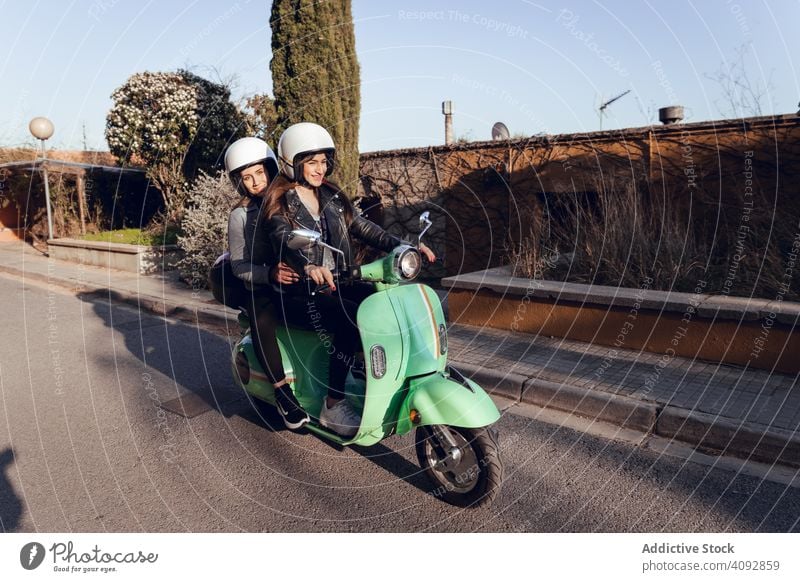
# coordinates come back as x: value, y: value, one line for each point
x: 433, y: 321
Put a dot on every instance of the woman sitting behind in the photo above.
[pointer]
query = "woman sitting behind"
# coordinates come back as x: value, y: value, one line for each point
x: 251, y: 165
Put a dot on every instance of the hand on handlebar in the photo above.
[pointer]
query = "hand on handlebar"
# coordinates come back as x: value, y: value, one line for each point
x: 321, y: 276
x: 427, y: 252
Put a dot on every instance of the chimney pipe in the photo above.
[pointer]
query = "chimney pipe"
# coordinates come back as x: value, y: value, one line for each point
x: 447, y: 110
x: 671, y: 114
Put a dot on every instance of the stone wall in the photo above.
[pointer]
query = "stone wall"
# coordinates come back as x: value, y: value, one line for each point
x: 487, y: 197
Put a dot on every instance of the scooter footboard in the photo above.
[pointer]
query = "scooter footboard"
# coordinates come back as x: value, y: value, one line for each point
x: 438, y: 399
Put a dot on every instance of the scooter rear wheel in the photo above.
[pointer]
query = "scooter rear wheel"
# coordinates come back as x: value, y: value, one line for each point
x: 468, y: 477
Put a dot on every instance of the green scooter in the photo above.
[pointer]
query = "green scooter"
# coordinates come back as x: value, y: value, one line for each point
x: 406, y: 384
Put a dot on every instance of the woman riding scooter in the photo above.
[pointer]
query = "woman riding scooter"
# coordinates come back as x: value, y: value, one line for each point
x: 301, y: 197
x: 251, y: 166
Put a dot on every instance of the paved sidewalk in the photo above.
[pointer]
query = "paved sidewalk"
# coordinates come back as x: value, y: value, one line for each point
x: 717, y: 408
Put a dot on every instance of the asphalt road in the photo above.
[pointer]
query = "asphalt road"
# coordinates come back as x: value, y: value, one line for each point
x: 85, y: 446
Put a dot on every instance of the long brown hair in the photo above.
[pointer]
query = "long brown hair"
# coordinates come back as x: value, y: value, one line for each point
x: 244, y: 202
x: 275, y: 196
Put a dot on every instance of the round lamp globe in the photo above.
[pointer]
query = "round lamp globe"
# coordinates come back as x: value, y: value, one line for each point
x: 41, y: 128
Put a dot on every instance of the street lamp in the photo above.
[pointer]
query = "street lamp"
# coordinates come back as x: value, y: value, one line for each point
x: 42, y: 129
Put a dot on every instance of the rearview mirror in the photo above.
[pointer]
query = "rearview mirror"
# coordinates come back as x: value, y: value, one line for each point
x: 424, y: 224
x: 302, y: 239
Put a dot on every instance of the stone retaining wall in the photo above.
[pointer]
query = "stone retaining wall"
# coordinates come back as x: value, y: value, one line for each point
x: 756, y: 333
x: 132, y: 258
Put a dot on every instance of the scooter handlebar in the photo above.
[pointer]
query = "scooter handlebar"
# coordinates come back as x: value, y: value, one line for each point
x: 342, y: 277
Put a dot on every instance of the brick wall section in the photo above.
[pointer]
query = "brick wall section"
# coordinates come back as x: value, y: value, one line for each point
x: 79, y: 156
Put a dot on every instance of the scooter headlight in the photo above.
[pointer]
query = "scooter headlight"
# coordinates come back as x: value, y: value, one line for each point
x: 409, y: 263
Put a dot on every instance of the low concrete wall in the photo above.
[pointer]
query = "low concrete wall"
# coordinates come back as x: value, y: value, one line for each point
x: 11, y: 234
x: 757, y: 333
x: 132, y: 258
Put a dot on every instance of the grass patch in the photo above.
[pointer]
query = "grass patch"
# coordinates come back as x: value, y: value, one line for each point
x: 135, y: 236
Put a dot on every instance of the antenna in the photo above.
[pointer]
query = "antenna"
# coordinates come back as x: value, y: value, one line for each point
x: 500, y: 131
x: 609, y: 102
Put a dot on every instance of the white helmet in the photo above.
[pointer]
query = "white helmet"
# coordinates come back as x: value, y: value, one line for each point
x: 247, y: 151
x: 298, y: 141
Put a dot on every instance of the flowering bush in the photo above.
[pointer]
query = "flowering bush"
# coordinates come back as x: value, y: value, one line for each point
x: 175, y: 124
x: 205, y: 226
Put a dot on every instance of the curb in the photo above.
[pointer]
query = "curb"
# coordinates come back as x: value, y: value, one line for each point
x: 77, y: 287
x: 619, y: 410
x: 496, y: 384
x: 706, y: 432
x: 612, y: 408
x: 159, y: 306
x: 728, y: 437
x: 150, y: 303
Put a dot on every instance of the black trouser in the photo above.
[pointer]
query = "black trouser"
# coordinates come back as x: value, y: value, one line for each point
x: 333, y: 318
x: 263, y: 322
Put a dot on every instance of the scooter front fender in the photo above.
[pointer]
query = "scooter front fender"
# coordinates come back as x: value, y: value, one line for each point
x: 438, y: 399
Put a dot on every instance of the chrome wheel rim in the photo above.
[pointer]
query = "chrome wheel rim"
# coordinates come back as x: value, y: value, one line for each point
x: 460, y: 477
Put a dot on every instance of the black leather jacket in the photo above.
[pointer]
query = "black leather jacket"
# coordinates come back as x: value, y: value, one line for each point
x: 337, y: 234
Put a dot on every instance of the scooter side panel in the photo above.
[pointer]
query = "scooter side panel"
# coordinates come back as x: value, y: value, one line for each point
x: 403, y: 321
x: 420, y: 316
x: 378, y: 326
x: 306, y: 362
x: 439, y: 400
x: 258, y: 385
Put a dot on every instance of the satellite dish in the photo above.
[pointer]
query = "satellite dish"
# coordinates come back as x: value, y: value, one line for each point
x: 500, y: 131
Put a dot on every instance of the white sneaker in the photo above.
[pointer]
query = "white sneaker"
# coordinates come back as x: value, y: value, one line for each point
x: 340, y: 418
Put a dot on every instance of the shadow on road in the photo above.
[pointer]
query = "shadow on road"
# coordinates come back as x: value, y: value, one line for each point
x: 190, y: 360
x: 10, y: 505
x: 394, y: 463
x: 197, y: 362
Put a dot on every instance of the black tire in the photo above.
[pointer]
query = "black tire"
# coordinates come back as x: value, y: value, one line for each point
x: 473, y: 482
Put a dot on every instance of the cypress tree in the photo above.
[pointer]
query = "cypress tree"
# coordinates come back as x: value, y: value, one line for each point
x: 315, y: 74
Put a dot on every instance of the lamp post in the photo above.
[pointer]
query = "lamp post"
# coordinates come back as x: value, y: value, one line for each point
x: 42, y: 129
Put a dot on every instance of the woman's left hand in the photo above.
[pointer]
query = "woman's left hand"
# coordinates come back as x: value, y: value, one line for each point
x: 427, y: 252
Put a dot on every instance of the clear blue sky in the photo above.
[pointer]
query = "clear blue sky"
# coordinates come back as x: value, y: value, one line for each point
x: 539, y: 66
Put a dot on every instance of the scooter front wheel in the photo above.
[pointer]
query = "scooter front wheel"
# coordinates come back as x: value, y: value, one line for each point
x: 463, y: 463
